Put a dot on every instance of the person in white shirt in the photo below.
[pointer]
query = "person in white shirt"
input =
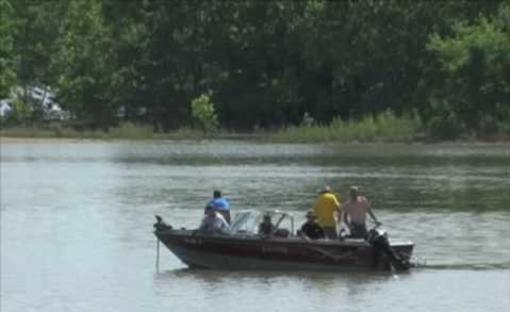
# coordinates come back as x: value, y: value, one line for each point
x: 213, y: 222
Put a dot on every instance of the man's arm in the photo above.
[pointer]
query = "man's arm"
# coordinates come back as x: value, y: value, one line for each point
x: 345, y: 214
x: 338, y: 210
x: 371, y: 213
x: 340, y: 214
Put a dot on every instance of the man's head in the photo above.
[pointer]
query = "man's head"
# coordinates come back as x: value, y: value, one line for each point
x: 310, y: 216
x: 216, y: 194
x: 354, y: 192
x: 325, y: 189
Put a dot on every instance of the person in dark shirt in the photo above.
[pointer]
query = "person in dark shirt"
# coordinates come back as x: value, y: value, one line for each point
x: 266, y: 228
x: 311, y: 229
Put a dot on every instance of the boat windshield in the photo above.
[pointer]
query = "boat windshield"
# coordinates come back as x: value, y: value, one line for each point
x: 248, y: 221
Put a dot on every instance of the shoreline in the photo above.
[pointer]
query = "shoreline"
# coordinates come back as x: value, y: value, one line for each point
x: 255, y: 138
x: 362, y: 132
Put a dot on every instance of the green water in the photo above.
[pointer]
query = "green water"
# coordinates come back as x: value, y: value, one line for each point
x: 76, y: 223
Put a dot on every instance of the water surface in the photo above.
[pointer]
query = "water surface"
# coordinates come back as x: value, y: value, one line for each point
x: 76, y: 221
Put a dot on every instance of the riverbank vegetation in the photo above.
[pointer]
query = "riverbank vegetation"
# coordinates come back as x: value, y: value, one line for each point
x: 287, y: 70
x: 384, y: 127
x: 126, y: 131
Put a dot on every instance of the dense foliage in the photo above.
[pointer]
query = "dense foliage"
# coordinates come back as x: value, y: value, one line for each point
x: 264, y: 64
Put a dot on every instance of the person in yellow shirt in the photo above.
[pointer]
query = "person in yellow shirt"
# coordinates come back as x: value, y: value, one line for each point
x: 327, y: 209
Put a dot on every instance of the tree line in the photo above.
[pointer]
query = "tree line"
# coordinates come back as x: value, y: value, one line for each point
x: 264, y: 64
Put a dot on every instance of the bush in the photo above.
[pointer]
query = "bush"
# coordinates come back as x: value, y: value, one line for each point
x: 203, y: 111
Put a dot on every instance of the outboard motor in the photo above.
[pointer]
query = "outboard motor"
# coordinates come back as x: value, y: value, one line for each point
x: 378, y: 238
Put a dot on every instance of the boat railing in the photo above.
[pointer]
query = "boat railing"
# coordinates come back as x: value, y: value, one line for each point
x: 280, y: 220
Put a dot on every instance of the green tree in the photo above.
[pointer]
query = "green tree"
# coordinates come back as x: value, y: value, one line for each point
x: 266, y: 62
x: 7, y: 55
x: 475, y: 61
x: 36, y: 30
x: 202, y: 110
x: 84, y: 64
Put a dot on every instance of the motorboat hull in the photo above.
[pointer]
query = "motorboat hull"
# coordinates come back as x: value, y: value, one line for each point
x: 253, y: 252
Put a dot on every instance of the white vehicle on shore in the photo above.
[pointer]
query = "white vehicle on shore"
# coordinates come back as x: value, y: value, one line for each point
x: 41, y: 99
x: 5, y: 108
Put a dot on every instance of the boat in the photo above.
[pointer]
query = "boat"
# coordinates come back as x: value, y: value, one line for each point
x: 243, y: 249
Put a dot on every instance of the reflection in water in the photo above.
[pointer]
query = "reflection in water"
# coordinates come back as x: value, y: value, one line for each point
x: 77, y: 219
x: 267, y: 287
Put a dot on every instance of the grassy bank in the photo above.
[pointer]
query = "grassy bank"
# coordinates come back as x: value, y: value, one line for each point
x: 385, y: 127
x: 124, y: 131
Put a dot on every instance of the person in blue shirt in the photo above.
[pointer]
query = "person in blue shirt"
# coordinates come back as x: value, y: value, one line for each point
x: 220, y: 204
